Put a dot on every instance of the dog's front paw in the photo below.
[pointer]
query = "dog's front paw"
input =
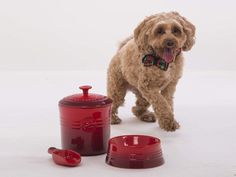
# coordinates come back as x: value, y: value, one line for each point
x: 115, y: 119
x: 148, y: 117
x: 169, y: 125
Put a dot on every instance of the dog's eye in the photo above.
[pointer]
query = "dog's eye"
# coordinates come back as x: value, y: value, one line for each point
x: 176, y: 31
x: 160, y: 31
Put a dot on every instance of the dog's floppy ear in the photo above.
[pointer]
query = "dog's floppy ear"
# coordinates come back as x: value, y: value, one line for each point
x: 141, y: 34
x: 189, y: 30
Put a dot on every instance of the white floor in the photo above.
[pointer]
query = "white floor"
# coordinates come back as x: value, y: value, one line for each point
x: 204, y: 146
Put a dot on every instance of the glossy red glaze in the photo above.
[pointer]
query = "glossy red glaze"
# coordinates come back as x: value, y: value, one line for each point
x: 65, y: 157
x: 134, y: 151
x: 85, y: 122
x: 86, y: 99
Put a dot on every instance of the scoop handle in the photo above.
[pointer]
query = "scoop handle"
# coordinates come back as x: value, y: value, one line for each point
x: 51, y: 150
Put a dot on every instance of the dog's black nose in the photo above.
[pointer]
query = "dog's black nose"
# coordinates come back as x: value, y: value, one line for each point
x: 169, y: 43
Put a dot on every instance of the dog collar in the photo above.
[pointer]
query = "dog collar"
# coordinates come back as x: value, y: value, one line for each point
x: 155, y: 60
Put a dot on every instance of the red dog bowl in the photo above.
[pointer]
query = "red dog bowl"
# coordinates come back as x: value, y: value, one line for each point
x: 134, y: 151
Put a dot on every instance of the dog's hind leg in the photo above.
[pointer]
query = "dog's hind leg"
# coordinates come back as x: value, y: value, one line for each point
x: 116, y: 90
x: 140, y: 110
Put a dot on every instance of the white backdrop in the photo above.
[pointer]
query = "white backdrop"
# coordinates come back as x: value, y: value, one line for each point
x: 76, y: 35
x: 59, y: 45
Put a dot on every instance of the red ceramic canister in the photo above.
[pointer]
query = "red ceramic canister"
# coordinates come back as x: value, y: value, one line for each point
x: 85, y: 122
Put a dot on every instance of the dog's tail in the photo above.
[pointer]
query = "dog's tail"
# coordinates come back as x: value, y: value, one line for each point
x: 122, y: 44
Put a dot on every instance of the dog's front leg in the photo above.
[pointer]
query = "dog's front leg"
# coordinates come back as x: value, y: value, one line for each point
x: 168, y: 93
x: 160, y: 105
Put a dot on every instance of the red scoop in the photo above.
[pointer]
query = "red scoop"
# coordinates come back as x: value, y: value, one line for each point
x: 65, y: 157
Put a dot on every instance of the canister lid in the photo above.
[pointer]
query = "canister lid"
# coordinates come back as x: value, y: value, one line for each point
x: 85, y: 99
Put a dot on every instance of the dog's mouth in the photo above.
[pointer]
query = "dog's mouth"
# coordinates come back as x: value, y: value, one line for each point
x: 169, y: 54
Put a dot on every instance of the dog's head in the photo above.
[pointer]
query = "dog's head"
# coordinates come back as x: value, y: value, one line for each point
x: 165, y: 34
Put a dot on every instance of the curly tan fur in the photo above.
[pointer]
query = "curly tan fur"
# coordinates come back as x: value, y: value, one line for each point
x: 151, y: 85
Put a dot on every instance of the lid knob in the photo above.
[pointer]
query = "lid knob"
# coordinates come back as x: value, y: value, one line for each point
x: 85, y: 89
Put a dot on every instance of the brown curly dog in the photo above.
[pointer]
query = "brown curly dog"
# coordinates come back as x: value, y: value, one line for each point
x: 150, y: 64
